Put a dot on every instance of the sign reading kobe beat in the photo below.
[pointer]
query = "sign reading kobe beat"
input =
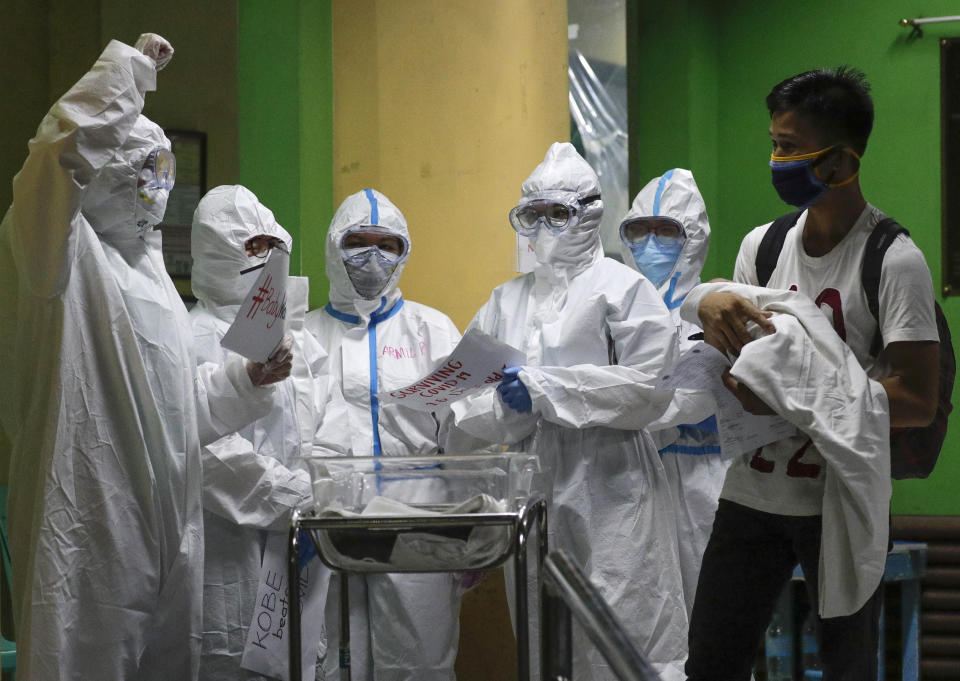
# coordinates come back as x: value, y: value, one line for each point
x: 267, y: 650
x: 477, y: 362
x: 260, y: 323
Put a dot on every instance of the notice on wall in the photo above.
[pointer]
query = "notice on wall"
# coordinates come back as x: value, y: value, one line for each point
x: 267, y: 650
x: 261, y: 321
x: 477, y: 362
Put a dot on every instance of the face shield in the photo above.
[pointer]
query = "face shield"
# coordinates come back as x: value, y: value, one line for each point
x: 555, y: 210
x: 154, y: 182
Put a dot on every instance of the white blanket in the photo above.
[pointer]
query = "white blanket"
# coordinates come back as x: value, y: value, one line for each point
x: 425, y: 550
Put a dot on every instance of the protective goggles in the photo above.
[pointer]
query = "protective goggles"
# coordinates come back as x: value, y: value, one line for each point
x: 357, y: 251
x: 159, y: 170
x: 260, y: 246
x: 557, y: 214
x: 667, y: 231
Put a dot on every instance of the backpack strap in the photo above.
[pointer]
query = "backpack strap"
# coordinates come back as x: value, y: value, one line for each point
x: 768, y: 253
x: 878, y: 242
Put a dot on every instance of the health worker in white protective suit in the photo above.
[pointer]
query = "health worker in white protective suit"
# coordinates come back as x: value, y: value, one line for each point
x: 665, y: 235
x: 596, y: 336
x: 403, y: 626
x: 251, y: 480
x: 105, y: 410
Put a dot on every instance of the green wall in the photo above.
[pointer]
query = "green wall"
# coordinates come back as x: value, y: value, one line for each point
x: 285, y: 120
x: 700, y: 71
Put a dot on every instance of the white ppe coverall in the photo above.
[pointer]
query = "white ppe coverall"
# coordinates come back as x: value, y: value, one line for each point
x: 692, y: 460
x: 596, y: 336
x: 251, y: 484
x: 104, y: 410
x: 403, y: 627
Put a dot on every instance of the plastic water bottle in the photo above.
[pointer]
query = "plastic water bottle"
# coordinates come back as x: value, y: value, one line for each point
x: 778, y: 648
x: 812, y: 669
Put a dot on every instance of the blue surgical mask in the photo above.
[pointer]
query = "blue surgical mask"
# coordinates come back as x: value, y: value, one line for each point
x: 655, y: 258
x: 796, y: 182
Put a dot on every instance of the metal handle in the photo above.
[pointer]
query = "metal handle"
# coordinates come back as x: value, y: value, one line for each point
x: 915, y: 24
x: 566, y: 592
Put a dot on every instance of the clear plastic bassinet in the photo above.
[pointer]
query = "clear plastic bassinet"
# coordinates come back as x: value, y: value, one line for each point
x: 419, y: 514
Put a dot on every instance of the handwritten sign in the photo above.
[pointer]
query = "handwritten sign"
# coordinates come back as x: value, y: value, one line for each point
x: 701, y: 368
x: 267, y: 650
x: 260, y: 324
x: 477, y: 362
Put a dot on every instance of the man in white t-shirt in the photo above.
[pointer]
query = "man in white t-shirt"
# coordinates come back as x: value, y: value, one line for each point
x: 770, y: 513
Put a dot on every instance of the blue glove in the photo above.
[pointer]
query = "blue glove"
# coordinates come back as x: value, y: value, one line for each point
x: 514, y: 393
x: 305, y: 547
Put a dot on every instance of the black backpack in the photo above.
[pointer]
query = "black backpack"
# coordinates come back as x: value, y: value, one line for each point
x: 913, y: 451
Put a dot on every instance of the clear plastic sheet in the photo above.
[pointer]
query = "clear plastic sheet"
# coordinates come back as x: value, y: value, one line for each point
x: 599, y: 112
x: 423, y: 491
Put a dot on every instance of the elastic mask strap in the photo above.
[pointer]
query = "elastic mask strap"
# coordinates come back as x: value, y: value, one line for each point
x: 845, y: 182
x: 850, y: 179
x: 804, y: 157
x: 816, y: 154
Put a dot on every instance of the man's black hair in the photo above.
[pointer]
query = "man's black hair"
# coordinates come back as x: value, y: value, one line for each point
x: 836, y: 101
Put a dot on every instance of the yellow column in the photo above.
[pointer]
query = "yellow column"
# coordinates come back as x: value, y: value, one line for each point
x: 446, y: 106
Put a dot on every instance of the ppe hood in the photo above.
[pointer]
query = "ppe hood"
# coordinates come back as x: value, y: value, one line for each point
x: 572, y: 251
x: 110, y: 202
x: 225, y: 219
x: 367, y: 208
x: 675, y: 195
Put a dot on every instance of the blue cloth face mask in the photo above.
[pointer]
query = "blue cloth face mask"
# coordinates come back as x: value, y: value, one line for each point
x: 656, y: 257
x: 796, y: 181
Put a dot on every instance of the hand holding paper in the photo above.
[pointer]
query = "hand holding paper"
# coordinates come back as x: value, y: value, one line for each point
x: 703, y: 367
x: 477, y: 362
x: 513, y: 392
x: 747, y: 398
x: 276, y: 368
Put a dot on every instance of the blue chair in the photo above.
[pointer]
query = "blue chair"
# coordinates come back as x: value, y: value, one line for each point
x: 8, y: 649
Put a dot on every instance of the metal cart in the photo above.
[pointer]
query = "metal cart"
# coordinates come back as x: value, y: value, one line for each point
x: 325, y: 532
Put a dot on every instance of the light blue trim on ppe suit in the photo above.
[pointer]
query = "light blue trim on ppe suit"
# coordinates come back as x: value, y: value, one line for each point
x: 403, y: 626
x: 693, y: 459
x: 663, y: 182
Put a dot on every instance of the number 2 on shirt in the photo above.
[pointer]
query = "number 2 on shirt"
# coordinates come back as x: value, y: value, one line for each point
x: 796, y: 468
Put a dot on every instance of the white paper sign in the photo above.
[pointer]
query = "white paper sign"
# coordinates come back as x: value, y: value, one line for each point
x: 700, y: 368
x: 260, y: 324
x: 526, y: 257
x: 267, y: 650
x: 477, y: 362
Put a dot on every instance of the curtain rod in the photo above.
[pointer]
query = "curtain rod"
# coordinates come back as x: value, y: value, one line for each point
x: 919, y: 21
